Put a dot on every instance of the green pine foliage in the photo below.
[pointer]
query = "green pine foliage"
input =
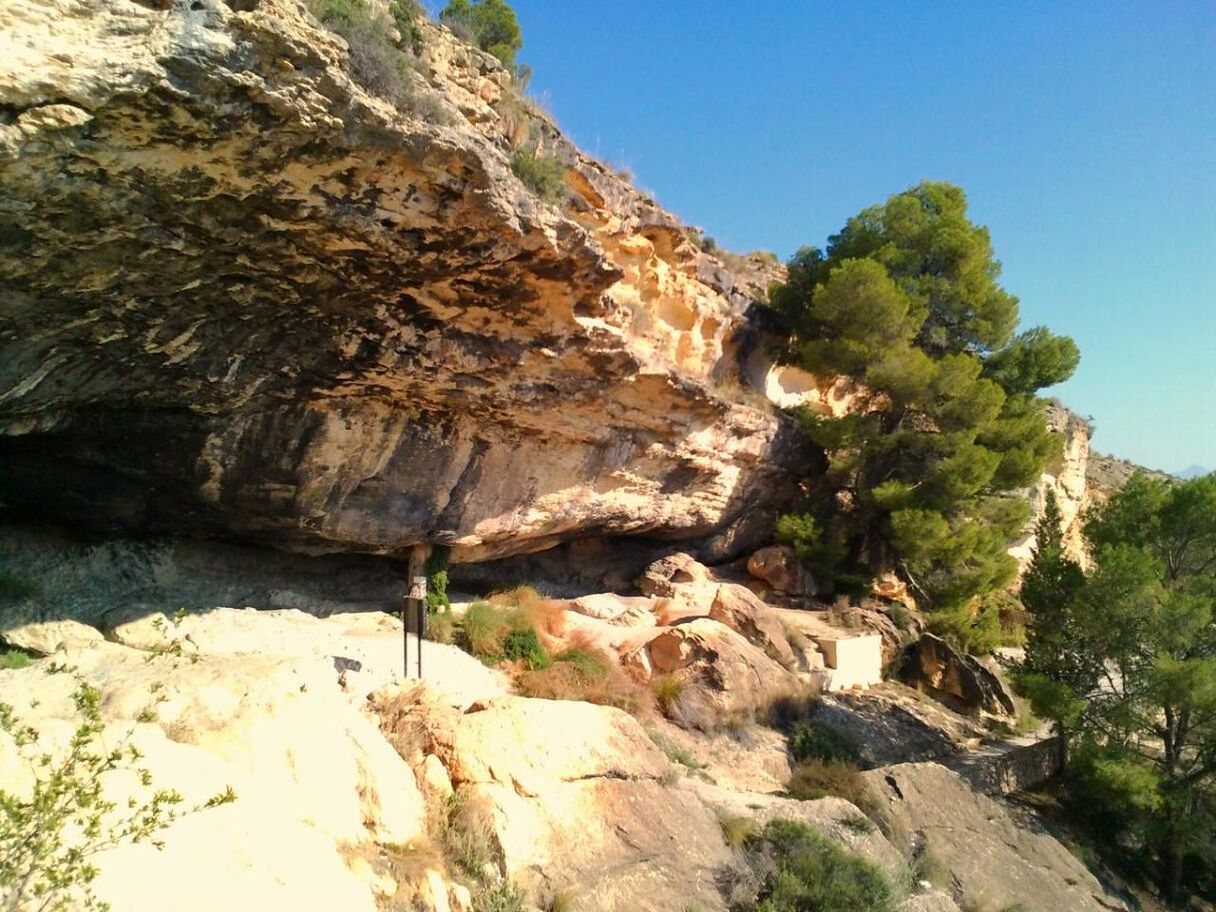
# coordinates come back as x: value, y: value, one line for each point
x: 1124, y: 662
x: 489, y: 24
x: 905, y: 301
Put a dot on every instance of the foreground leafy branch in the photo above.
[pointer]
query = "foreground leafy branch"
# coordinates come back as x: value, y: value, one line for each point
x: 48, y: 840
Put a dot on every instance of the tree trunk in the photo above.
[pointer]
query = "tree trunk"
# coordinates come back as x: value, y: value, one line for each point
x: 1172, y: 860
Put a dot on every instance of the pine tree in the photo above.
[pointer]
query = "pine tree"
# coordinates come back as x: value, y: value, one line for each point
x: 906, y: 301
x: 1057, y: 673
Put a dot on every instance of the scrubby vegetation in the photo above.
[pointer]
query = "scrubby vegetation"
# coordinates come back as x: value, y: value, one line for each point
x: 489, y: 24
x: 795, y: 869
x: 544, y: 175
x: 49, y: 838
x: 905, y: 301
x: 1123, y: 662
x: 376, y: 61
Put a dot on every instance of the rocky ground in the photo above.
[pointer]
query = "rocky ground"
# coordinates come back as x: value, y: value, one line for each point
x: 358, y: 786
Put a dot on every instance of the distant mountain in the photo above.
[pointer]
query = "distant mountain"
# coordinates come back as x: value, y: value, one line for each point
x: 1193, y: 472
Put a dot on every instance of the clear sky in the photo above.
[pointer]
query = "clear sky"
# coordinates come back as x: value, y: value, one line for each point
x: 1083, y: 132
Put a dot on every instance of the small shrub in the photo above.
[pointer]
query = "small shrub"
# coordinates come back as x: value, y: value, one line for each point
x: 14, y: 658
x: 667, y: 689
x: 819, y: 779
x: 521, y: 644
x: 441, y: 628
x: 675, y: 753
x: 503, y: 896
x: 737, y: 830
x: 858, y: 824
x: 467, y: 839
x: 592, y: 663
x: 809, y: 741
x: 405, y: 15
x: 931, y: 869
x: 900, y: 616
x: 787, y: 710
x: 803, y: 870
x: 483, y: 629
x: 47, y: 840
x: 669, y: 777
x: 375, y: 62
x: 565, y: 680
x: 544, y: 175
x: 561, y: 901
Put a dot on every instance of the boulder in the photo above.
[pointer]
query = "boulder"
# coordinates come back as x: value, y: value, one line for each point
x: 663, y: 577
x: 145, y: 629
x: 745, y: 613
x: 892, y: 723
x: 47, y: 637
x: 779, y: 566
x: 994, y: 862
x: 615, y: 609
x: 960, y: 678
x: 576, y: 798
x: 311, y: 773
x: 721, y: 671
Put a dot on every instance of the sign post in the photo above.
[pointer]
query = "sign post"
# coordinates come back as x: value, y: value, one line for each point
x: 413, y: 607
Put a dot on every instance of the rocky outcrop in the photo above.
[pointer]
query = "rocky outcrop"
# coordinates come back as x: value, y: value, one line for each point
x: 957, y: 677
x: 1066, y: 478
x: 780, y: 567
x: 241, y: 295
x: 992, y: 861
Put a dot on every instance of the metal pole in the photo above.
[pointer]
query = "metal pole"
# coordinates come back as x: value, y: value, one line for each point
x: 415, y: 604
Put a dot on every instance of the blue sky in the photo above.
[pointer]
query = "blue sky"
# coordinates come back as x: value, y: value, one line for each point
x: 1083, y: 132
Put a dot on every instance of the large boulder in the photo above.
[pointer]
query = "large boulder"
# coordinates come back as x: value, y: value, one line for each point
x: 721, y: 672
x: 741, y: 610
x: 664, y: 577
x: 46, y: 637
x: 779, y: 566
x: 960, y: 678
x: 577, y: 798
x: 311, y: 773
x: 994, y: 862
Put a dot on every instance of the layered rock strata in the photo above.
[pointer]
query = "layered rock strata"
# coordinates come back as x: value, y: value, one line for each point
x: 239, y: 294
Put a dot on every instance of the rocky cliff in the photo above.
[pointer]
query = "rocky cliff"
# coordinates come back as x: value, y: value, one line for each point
x: 1067, y: 479
x: 239, y: 294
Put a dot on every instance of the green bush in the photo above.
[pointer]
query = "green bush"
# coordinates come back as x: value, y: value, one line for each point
x: 591, y: 663
x: 14, y: 658
x: 822, y: 742
x: 489, y: 24
x: 805, y: 872
x: 482, y: 630
x: 544, y: 175
x: 521, y: 644
x: 436, y: 570
x: 834, y: 778
x: 376, y: 63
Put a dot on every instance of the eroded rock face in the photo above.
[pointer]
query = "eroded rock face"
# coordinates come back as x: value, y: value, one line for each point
x: 992, y: 860
x: 958, y: 677
x: 239, y: 294
x: 1067, y: 479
